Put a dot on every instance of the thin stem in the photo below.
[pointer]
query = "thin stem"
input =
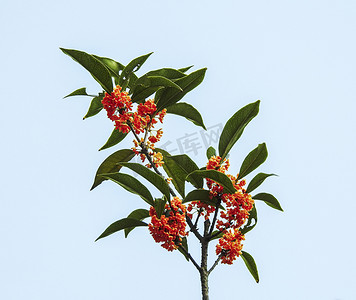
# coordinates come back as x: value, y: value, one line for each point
x: 215, y: 216
x: 190, y: 257
x: 215, y: 264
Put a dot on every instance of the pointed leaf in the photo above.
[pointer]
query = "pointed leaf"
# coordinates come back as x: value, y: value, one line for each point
x: 210, y: 152
x: 169, y: 96
x: 235, y: 126
x: 269, y: 199
x: 138, y: 214
x: 149, y: 175
x: 110, y: 164
x: 113, y: 66
x: 250, y: 264
x: 130, y: 184
x: 257, y: 181
x: 167, y: 73
x: 174, y: 171
x: 159, y: 206
x: 252, y: 217
x: 78, y: 92
x: 96, y: 68
x: 95, y: 106
x: 183, y: 70
x: 218, y: 177
x: 202, y: 196
x: 147, y: 85
x: 253, y: 160
x: 133, y: 66
x: 188, y: 111
x: 120, y: 225
x: 188, y: 166
x: 184, y: 244
x: 116, y: 137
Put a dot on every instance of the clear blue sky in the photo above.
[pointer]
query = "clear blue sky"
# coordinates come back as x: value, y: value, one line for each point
x: 298, y: 57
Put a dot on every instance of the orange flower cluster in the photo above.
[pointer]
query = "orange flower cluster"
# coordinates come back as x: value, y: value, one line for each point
x: 118, y: 106
x: 170, y: 228
x: 230, y: 246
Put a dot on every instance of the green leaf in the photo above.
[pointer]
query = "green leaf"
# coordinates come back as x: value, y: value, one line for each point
x: 78, y: 92
x: 167, y: 73
x: 184, y: 244
x: 202, y: 196
x: 132, y: 67
x: 130, y: 184
x: 235, y: 126
x: 159, y: 205
x: 110, y: 164
x: 250, y: 264
x: 116, y: 137
x: 253, y: 160
x: 120, y: 225
x: 218, y: 177
x: 257, y: 181
x: 113, y: 66
x: 138, y: 214
x: 169, y: 96
x: 149, y: 175
x: 147, y: 85
x: 216, y: 234
x: 188, y: 111
x: 252, y: 217
x: 188, y: 166
x: 183, y: 70
x: 210, y: 152
x: 174, y: 171
x: 269, y: 199
x: 95, y: 106
x: 96, y: 68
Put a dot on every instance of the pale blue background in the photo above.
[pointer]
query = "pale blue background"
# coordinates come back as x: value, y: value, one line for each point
x: 298, y: 57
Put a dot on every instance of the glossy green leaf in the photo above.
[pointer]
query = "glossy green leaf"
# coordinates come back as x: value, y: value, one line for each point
x: 116, y: 137
x: 132, y: 67
x: 78, y: 92
x: 159, y: 205
x: 120, y: 225
x: 174, y: 171
x: 130, y: 184
x: 257, y: 181
x: 184, y: 244
x: 250, y: 264
x: 167, y: 73
x: 216, y: 234
x: 210, y: 152
x: 202, y: 196
x: 183, y: 70
x: 110, y: 164
x: 147, y: 85
x: 253, y: 160
x: 188, y: 166
x: 170, y: 96
x: 151, y: 176
x: 218, y: 177
x: 188, y: 111
x: 235, y: 126
x: 138, y: 214
x: 95, y: 106
x: 95, y: 67
x: 114, y: 66
x: 269, y: 199
x: 251, y: 218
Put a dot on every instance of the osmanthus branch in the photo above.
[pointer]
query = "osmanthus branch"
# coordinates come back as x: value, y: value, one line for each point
x: 149, y: 158
x: 215, y: 216
x: 215, y: 263
x: 190, y: 257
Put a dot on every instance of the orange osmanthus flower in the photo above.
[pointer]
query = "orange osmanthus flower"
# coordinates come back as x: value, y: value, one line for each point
x: 169, y: 229
x: 230, y: 246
